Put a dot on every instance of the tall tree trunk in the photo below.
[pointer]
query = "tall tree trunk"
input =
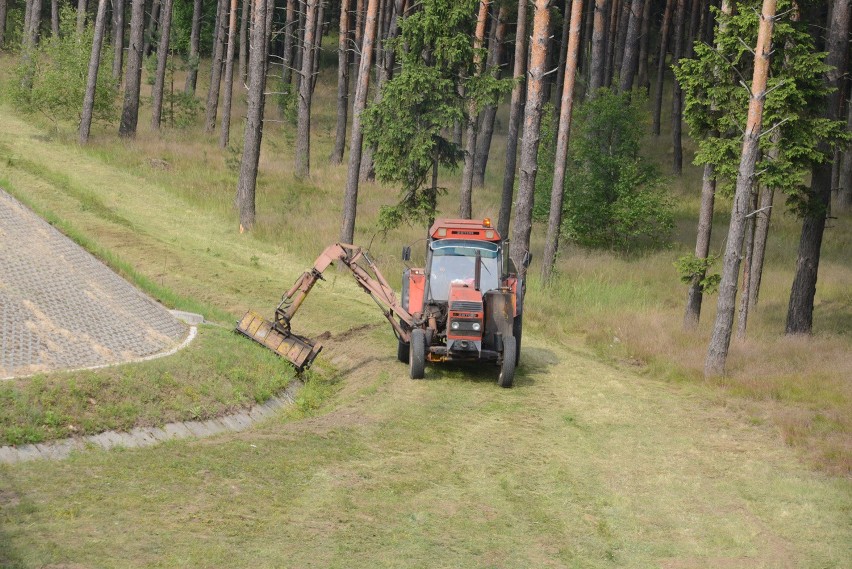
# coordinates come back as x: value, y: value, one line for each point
x: 92, y: 77
x: 661, y: 67
x: 243, y: 56
x: 81, y: 16
x: 466, y: 194
x: 529, y: 146
x: 290, y: 22
x: 596, y: 66
x: 844, y: 193
x: 644, y: 41
x: 611, y: 39
x: 32, y: 33
x: 227, y: 96
x: 212, y: 106
x: 54, y: 21
x: 489, y: 114
x: 133, y: 73
x: 303, y: 133
x: 515, y: 111
x: 342, y: 84
x: 563, y: 54
x: 705, y: 226
x: 621, y: 38
x: 554, y: 224
x: 152, y: 28
x: 801, y: 307
x: 299, y: 47
x: 630, y: 61
x: 254, y: 114
x: 350, y: 198
x: 162, y: 61
x: 586, y: 40
x: 761, y: 234
x: 359, y: 32
x: 117, y: 36
x: 747, y: 262
x: 315, y: 57
x: 677, y: 92
x: 694, y: 18
x: 3, y: 12
x: 717, y: 352
x: 194, y: 39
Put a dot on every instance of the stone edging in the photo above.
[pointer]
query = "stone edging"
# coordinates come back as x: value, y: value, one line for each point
x: 150, y: 436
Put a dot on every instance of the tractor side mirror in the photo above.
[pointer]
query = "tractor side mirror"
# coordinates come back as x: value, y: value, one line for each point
x: 406, y: 253
x: 527, y: 259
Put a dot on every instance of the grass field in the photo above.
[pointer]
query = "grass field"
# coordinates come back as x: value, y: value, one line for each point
x: 611, y: 451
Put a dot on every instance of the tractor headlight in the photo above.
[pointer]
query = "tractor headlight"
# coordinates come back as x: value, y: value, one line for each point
x: 475, y: 326
x: 454, y: 325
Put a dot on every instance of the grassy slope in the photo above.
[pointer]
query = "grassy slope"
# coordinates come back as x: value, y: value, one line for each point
x: 582, y: 465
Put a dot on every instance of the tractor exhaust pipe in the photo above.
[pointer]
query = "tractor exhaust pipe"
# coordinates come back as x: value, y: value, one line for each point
x: 477, y: 271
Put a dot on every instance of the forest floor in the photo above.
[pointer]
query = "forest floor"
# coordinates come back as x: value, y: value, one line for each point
x: 599, y: 457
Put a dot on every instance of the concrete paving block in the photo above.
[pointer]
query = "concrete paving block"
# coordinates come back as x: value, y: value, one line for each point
x: 258, y: 413
x: 214, y: 426
x: 127, y: 440
x: 177, y: 431
x: 242, y: 420
x: 229, y: 423
x: 8, y: 455
x: 28, y: 452
x: 144, y: 436
x: 197, y: 428
x: 159, y: 434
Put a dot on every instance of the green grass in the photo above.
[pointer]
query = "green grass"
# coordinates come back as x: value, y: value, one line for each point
x: 220, y: 372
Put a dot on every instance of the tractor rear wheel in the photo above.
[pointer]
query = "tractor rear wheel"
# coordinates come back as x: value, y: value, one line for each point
x: 517, y: 331
x: 417, y: 354
x: 507, y: 369
x: 402, y: 351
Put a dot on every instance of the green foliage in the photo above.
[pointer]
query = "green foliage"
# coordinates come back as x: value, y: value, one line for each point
x: 422, y: 102
x: 179, y: 108
x: 691, y: 268
x: 51, y: 77
x: 546, y: 163
x: 717, y: 100
x: 613, y: 196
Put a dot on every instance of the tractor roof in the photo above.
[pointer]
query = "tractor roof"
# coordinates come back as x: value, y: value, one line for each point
x: 476, y: 229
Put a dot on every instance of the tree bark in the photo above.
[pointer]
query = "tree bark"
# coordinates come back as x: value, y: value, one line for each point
x: 289, y: 33
x: 254, y: 115
x: 133, y: 73
x: 644, y: 41
x: 92, y: 77
x: 747, y: 260
x: 32, y: 33
x: 81, y: 16
x: 303, y: 132
x: 844, y: 193
x: 621, y: 37
x: 227, y: 96
x: 317, y: 45
x: 563, y: 53
x: 243, y: 56
x: 529, y: 146
x: 515, y: 112
x: 54, y: 21
x: 761, y: 234
x: 359, y: 32
x: 702, y: 246
x: 489, y: 114
x: 661, y: 67
x: 117, y: 35
x: 677, y: 92
x: 342, y: 84
x: 162, y: 61
x: 466, y: 193
x: 3, y: 11
x: 611, y: 39
x: 557, y: 192
x: 596, y: 65
x: 630, y: 61
x: 801, y: 307
x: 350, y: 198
x: 152, y: 28
x: 717, y: 352
x: 194, y: 39
x: 212, y: 106
x: 694, y: 18
x: 586, y: 39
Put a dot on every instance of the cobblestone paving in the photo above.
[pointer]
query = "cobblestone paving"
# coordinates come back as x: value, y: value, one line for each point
x: 60, y: 308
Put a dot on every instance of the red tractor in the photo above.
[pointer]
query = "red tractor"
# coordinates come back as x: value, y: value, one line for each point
x: 466, y: 304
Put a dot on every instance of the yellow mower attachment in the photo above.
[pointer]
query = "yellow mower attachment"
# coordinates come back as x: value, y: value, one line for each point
x: 298, y: 350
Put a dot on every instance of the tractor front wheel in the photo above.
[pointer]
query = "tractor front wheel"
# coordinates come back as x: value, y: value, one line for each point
x: 402, y: 351
x: 417, y: 354
x: 507, y: 369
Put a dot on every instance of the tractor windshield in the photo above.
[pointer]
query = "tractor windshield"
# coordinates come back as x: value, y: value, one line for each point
x: 455, y: 260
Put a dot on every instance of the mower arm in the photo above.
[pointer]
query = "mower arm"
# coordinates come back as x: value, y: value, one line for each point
x: 369, y: 278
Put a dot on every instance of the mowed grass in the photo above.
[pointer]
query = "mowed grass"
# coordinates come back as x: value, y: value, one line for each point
x: 583, y: 464
x: 216, y: 374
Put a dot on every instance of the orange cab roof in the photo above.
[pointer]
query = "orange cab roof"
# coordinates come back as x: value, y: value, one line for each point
x: 478, y: 229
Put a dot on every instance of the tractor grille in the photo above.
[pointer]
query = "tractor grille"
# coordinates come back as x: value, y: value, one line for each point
x: 466, y: 306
